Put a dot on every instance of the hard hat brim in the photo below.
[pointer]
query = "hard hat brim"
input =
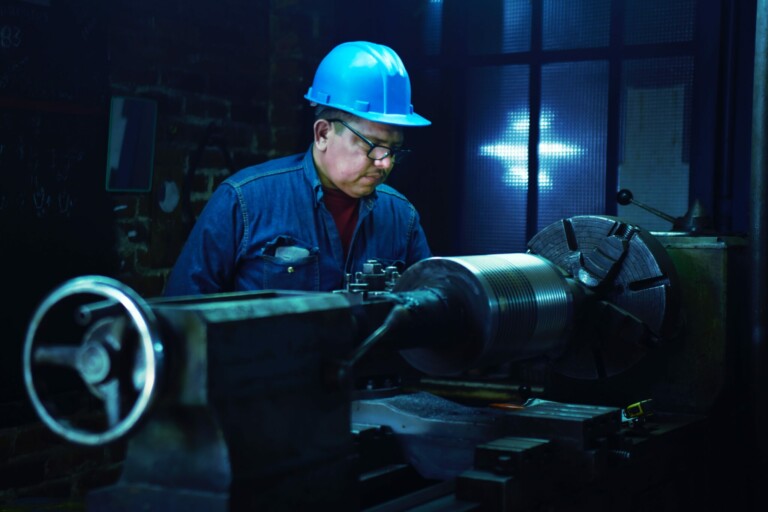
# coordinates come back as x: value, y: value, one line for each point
x: 411, y: 119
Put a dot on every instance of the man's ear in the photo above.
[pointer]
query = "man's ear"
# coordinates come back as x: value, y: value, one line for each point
x: 321, y: 130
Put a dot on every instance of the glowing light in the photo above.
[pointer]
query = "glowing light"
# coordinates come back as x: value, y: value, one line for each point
x: 558, y: 149
x: 513, y: 150
x: 505, y: 151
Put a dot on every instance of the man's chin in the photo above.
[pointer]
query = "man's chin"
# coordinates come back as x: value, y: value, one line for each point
x: 359, y: 192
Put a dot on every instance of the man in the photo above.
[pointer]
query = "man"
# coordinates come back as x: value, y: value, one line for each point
x: 304, y: 221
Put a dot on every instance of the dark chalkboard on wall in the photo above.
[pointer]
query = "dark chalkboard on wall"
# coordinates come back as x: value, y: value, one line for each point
x: 52, y: 49
x: 53, y: 112
x: 55, y: 216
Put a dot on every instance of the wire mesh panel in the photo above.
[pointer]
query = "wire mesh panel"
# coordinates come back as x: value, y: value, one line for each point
x: 652, y: 108
x: 497, y: 26
x: 572, y: 147
x: 659, y: 21
x: 432, y: 32
x: 576, y: 24
x: 495, y: 178
x: 655, y: 137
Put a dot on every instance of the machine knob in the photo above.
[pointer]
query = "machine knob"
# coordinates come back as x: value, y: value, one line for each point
x: 624, y: 197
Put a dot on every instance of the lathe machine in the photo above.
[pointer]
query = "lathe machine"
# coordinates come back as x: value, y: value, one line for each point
x: 584, y: 374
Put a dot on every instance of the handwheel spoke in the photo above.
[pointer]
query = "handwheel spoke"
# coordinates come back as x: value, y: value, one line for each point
x: 58, y: 355
x: 111, y: 396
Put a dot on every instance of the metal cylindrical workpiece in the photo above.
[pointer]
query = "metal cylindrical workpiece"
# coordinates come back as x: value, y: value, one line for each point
x: 512, y: 307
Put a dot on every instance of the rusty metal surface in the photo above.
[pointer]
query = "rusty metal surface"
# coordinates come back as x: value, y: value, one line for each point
x: 577, y: 425
x: 707, y: 367
x: 437, y: 436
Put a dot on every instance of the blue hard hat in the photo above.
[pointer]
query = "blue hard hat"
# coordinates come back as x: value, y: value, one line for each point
x: 368, y: 80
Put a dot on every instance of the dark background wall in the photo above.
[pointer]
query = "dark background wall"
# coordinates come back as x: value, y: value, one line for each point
x: 228, y: 78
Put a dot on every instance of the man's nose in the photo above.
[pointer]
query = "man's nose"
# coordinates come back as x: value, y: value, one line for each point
x: 385, y: 163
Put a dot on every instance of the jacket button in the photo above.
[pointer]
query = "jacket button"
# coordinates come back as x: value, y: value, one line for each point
x: 290, y: 270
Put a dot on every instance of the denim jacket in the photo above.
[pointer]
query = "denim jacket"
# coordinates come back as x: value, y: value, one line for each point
x: 266, y: 227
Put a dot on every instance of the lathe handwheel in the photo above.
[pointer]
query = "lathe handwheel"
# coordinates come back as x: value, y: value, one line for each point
x: 118, y: 358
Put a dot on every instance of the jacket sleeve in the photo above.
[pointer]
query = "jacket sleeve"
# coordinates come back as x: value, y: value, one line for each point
x: 207, y: 260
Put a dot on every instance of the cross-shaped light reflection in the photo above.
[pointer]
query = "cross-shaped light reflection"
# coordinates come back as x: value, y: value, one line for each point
x: 512, y: 150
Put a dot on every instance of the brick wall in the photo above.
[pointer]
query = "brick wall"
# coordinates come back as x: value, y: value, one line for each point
x: 233, y: 69
x: 237, y: 70
x: 204, y: 63
x: 38, y: 465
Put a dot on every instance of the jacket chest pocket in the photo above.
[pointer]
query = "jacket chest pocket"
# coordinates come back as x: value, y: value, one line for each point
x: 288, y: 264
x: 303, y: 274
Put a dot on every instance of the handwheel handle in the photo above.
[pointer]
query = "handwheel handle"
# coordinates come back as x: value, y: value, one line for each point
x: 93, y: 362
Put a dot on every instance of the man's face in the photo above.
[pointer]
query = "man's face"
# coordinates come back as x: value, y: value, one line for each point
x: 341, y: 156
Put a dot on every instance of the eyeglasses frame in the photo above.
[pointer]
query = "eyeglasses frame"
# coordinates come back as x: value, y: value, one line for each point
x: 391, y: 152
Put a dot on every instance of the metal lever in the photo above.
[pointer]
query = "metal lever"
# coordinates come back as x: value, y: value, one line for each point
x: 625, y: 197
x: 694, y: 221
